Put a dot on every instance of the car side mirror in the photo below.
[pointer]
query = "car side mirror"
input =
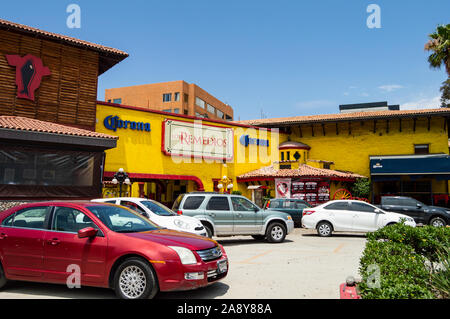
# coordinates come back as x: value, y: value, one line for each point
x: 419, y: 205
x: 256, y: 209
x: 378, y: 211
x: 88, y: 232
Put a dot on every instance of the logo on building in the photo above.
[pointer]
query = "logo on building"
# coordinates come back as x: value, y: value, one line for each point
x: 247, y: 140
x: 114, y: 122
x: 29, y: 73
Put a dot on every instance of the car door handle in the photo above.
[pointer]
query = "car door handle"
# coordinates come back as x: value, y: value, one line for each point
x: 212, y: 214
x: 3, y: 236
x: 239, y: 215
x: 54, y: 241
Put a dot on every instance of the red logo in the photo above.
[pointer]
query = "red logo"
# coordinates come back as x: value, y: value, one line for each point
x: 29, y: 73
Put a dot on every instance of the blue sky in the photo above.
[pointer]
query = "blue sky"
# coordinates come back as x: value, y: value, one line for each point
x: 282, y: 58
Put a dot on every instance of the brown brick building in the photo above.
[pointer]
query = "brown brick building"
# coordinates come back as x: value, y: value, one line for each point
x: 175, y: 97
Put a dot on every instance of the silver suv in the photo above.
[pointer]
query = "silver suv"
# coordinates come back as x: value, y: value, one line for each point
x: 231, y: 215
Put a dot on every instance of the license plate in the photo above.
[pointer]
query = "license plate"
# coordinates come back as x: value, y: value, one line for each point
x: 222, y: 266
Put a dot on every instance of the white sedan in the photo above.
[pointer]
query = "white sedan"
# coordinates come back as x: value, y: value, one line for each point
x: 349, y: 216
x: 159, y: 214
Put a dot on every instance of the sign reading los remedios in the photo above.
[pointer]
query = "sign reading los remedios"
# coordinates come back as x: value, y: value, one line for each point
x: 194, y: 139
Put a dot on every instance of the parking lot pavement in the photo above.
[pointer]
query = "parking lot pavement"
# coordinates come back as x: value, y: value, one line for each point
x: 304, y: 266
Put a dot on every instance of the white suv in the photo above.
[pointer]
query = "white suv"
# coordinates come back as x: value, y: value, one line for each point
x: 159, y: 214
x: 349, y: 216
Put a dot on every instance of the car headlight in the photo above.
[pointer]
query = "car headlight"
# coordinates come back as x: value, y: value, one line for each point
x: 181, y: 224
x: 187, y: 257
x: 289, y: 217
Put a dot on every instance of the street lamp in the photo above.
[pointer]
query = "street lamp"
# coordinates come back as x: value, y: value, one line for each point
x: 225, y: 184
x: 121, y: 177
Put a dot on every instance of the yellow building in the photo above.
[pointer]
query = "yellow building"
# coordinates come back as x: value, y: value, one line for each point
x: 316, y: 157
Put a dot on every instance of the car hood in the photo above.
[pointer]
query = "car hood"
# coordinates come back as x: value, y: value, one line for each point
x: 169, y: 237
x: 397, y: 215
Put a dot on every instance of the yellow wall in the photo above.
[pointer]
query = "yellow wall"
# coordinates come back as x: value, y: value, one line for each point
x: 140, y: 152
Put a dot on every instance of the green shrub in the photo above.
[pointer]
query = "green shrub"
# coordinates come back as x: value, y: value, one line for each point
x: 236, y: 192
x: 402, y: 254
x: 361, y: 188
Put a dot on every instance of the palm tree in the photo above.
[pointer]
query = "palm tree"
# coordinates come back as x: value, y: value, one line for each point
x: 439, y: 45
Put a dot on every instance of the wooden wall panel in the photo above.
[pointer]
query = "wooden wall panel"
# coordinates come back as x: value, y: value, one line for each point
x: 67, y: 96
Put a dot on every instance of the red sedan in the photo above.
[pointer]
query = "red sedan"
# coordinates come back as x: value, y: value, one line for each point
x: 104, y: 245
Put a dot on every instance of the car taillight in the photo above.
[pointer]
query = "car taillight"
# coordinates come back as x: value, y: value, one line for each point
x: 180, y: 212
x: 308, y: 212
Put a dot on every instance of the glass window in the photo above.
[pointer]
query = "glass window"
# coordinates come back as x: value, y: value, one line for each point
x: 132, y: 206
x: 167, y: 97
x: 219, y: 114
x: 122, y: 220
x: 276, y: 204
x: 200, y: 102
x: 176, y: 96
x: 177, y: 202
x: 167, y: 110
x: 117, y: 101
x: 338, y: 206
x: 33, y: 217
x: 68, y: 219
x: 361, y: 207
x: 421, y: 149
x: 241, y: 204
x: 46, y: 168
x: 218, y: 203
x: 158, y: 209
x: 176, y: 111
x: 193, y: 202
x: 210, y: 108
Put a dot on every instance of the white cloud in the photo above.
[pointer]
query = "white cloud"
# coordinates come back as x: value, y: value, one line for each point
x: 423, y: 103
x: 390, y: 87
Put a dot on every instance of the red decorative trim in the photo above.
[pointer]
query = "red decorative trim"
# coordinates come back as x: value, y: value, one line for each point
x: 141, y: 109
x: 294, y: 147
x: 140, y: 176
x: 256, y: 179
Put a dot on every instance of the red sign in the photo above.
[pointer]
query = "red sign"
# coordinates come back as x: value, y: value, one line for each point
x: 29, y: 73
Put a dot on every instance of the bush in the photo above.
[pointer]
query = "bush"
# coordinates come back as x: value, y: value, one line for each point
x: 403, y: 255
x: 440, y: 279
x: 361, y: 188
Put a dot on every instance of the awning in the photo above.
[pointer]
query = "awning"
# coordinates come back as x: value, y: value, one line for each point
x: 434, y: 164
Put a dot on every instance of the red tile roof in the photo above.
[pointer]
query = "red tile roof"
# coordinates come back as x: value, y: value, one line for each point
x: 108, y: 56
x: 27, y: 124
x: 347, y: 117
x: 304, y: 170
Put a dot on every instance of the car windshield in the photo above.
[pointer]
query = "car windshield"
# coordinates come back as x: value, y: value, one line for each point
x: 121, y: 219
x: 157, y: 208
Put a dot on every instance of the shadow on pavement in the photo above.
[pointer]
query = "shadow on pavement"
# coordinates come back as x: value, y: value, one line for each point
x: 43, y: 290
x: 251, y: 241
x: 215, y: 290
x: 337, y: 235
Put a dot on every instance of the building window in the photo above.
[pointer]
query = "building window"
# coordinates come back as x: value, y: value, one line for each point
x: 117, y: 101
x: 219, y: 114
x: 176, y: 96
x: 288, y: 156
x: 176, y: 111
x: 167, y: 97
x: 167, y: 110
x: 282, y: 156
x: 422, y: 149
x: 109, y: 101
x: 186, y: 98
x: 210, y: 108
x: 200, y: 102
x: 186, y: 112
x: 228, y: 118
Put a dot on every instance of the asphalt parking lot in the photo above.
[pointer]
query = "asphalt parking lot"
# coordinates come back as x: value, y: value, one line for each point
x: 304, y: 266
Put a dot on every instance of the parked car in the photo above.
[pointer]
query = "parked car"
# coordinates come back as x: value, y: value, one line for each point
x: 113, y: 246
x: 291, y: 206
x: 422, y: 214
x: 159, y: 214
x: 349, y: 216
x: 230, y: 215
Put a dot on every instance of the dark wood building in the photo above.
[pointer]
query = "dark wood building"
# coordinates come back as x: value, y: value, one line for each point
x: 48, y: 95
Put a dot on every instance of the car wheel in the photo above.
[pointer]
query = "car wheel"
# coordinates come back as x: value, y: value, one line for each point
x: 134, y: 279
x: 3, y: 279
x: 259, y: 237
x: 437, y: 222
x: 209, y: 231
x: 276, y: 233
x: 324, y: 229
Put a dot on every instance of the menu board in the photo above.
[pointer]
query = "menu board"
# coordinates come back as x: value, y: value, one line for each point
x: 314, y: 192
